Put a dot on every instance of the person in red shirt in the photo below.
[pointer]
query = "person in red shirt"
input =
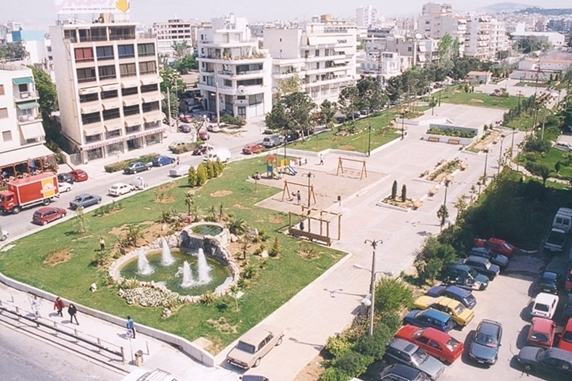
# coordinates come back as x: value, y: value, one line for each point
x: 59, y: 305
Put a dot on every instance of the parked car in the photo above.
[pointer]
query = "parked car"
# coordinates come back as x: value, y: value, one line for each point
x: 340, y: 119
x: 136, y: 167
x: 173, y: 146
x: 544, y: 305
x: 566, y: 337
x: 187, y: 118
x: 496, y: 259
x: 203, y: 149
x: 159, y: 161
x: 65, y: 178
x: 64, y: 187
x: 185, y: 128
x: 252, y: 148
x: 221, y: 154
x: 252, y: 377
x: 563, y: 146
x: 541, y: 332
x: 465, y: 277
x: 3, y: 235
x: 254, y: 345
x: 568, y: 280
x: 179, y: 170
x: 272, y: 141
x: 430, y: 318
x: 485, y: 342
x: 119, y: 189
x: 567, y: 310
x: 482, y: 266
x: 550, y: 361
x: 496, y: 245
x: 84, y: 200
x: 464, y: 296
x: 461, y: 315
x: 399, y: 350
x: 437, y: 343
x: 78, y: 175
x: 401, y: 372
x: 549, y: 282
x: 204, y: 135
x: 292, y: 136
x: 48, y: 214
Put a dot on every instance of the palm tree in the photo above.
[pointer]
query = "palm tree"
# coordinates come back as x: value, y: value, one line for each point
x: 189, y: 201
x: 237, y: 226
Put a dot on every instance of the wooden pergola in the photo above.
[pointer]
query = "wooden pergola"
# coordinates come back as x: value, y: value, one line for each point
x: 318, y: 215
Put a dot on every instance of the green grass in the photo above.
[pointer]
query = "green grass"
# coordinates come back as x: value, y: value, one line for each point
x: 549, y: 160
x: 381, y: 134
x: 457, y: 95
x: 279, y: 278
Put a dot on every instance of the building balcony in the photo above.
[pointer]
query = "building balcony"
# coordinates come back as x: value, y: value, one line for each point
x: 223, y: 90
x: 285, y: 75
x: 22, y: 96
x: 27, y: 119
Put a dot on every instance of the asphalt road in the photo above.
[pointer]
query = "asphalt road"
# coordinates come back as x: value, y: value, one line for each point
x: 25, y: 358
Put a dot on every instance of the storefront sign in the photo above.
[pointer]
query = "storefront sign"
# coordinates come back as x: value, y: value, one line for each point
x: 123, y: 138
x: 91, y: 6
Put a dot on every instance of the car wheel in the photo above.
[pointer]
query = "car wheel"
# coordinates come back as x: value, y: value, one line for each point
x: 279, y: 341
x: 63, y: 215
x: 44, y: 223
x: 99, y: 201
x: 256, y: 363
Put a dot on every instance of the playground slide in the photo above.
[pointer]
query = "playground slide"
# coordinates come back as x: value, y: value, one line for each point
x: 291, y: 170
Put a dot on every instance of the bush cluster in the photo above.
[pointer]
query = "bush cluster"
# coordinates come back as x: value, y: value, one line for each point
x: 121, y: 165
x: 205, y: 171
x: 451, y: 132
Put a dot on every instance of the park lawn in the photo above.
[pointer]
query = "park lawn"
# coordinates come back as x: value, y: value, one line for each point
x: 457, y: 95
x: 381, y: 134
x: 549, y: 160
x: 279, y: 278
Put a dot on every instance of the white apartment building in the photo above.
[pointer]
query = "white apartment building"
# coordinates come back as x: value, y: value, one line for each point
x: 377, y: 60
x: 108, y: 88
x: 477, y: 39
x: 436, y: 8
x: 366, y: 16
x: 499, y: 41
x: 233, y: 69
x: 172, y: 31
x: 22, y: 134
x: 321, y: 55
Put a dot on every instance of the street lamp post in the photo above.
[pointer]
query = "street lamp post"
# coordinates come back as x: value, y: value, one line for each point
x: 369, y: 140
x: 447, y: 182
x: 486, y: 160
x: 402, y: 125
x: 373, y: 244
x: 309, y: 175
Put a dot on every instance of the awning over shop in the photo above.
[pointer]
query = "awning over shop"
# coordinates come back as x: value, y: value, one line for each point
x: 27, y: 105
x: 151, y: 80
x: 89, y: 108
x: 88, y: 90
x: 95, y: 130
x: 113, y: 126
x: 22, y: 81
x: 111, y: 87
x: 129, y: 83
x: 152, y: 97
x: 133, y: 120
x: 421, y: 58
x: 131, y: 100
x: 109, y: 104
x: 153, y: 116
x: 32, y: 130
x: 23, y: 154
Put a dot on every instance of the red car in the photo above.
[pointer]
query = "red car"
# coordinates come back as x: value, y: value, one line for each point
x: 541, y: 332
x: 568, y: 280
x: 437, y: 343
x: 253, y: 148
x: 204, y: 135
x: 78, y: 175
x: 566, y: 338
x: 48, y: 214
x: 496, y: 245
x: 187, y: 118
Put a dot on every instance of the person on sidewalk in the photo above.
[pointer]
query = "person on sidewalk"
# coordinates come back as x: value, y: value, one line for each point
x: 130, y: 327
x: 298, y: 197
x: 321, y: 159
x: 59, y: 305
x: 36, y: 306
x: 73, y: 313
x: 101, y: 244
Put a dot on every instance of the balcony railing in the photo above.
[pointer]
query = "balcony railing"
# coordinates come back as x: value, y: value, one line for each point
x: 25, y: 95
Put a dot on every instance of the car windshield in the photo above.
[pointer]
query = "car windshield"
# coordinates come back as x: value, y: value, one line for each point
x: 470, y: 299
x: 540, y: 337
x: 473, y: 273
x: 249, y: 348
x: 486, y: 340
x: 78, y: 198
x: 506, y: 246
x: 452, y: 344
x: 459, y: 309
x: 419, y: 356
x: 541, y: 307
x: 567, y: 336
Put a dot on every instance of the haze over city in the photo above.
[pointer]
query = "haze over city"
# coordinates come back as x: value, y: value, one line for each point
x: 41, y: 14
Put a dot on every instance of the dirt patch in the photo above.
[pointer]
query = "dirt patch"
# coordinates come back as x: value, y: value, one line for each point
x: 238, y: 206
x: 223, y: 326
x: 276, y: 220
x: 312, y: 371
x: 476, y: 100
x: 165, y: 200
x: 58, y: 257
x: 347, y: 147
x: 221, y: 193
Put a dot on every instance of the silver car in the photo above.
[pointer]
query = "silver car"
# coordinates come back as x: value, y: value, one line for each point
x: 410, y: 354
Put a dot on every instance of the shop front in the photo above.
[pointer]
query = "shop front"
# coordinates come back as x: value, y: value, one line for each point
x: 26, y: 161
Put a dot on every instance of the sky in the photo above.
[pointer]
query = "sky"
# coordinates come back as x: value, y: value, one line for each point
x: 39, y: 14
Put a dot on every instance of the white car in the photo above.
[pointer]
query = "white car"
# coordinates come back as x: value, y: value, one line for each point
x: 3, y: 235
x: 563, y: 146
x: 64, y: 187
x: 119, y: 189
x: 544, y: 305
x: 179, y: 170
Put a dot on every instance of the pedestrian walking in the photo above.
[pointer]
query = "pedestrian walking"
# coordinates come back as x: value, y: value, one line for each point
x: 321, y: 159
x: 72, y: 311
x: 178, y: 160
x: 36, y: 306
x: 59, y: 305
x: 298, y: 197
x: 130, y: 327
x: 101, y: 244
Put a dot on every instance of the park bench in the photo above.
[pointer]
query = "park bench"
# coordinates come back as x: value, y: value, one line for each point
x: 311, y: 236
x: 433, y: 139
x: 454, y: 141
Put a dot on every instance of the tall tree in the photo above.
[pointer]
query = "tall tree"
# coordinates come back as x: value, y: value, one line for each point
x: 327, y: 112
x: 298, y: 107
x: 348, y: 101
x: 48, y: 98
x: 187, y: 63
x: 180, y: 48
x: 172, y: 80
x: 14, y: 51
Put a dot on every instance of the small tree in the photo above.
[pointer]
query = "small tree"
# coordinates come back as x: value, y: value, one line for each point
x: 234, y: 291
x: 192, y: 177
x: 557, y: 166
x: 189, y: 201
x: 80, y: 222
x: 275, y: 250
x: 443, y: 214
x: 403, y: 193
x: 394, y: 190
x: 202, y: 175
x: 461, y: 205
x: 210, y: 169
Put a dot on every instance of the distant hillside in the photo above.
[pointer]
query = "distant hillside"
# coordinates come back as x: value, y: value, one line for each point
x: 547, y: 12
x: 504, y: 8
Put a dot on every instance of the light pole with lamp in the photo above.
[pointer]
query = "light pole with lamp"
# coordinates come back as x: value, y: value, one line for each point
x: 503, y: 137
x: 448, y: 180
x: 373, y: 244
x: 369, y: 139
x: 309, y: 175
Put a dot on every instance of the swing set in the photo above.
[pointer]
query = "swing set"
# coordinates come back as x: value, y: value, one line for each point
x: 363, y: 172
x: 286, y: 190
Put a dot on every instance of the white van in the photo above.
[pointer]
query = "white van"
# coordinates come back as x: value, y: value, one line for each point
x: 563, y: 219
x: 222, y: 154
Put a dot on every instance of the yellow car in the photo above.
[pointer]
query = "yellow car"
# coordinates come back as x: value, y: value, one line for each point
x: 459, y: 313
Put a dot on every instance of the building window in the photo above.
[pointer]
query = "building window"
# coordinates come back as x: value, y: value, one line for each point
x: 3, y: 113
x: 104, y: 53
x: 250, y: 82
x: 111, y: 114
x: 146, y: 50
x: 131, y: 110
x: 109, y: 94
x: 107, y: 72
x: 129, y: 91
x: 85, y: 75
x: 70, y: 35
x: 7, y: 136
x: 241, y: 97
x: 148, y: 67
x: 94, y: 117
x: 88, y: 97
x: 227, y: 83
x: 127, y: 70
x: 149, y: 88
x: 1, y: 89
x: 255, y: 99
x: 122, y: 33
x: 148, y: 107
x: 125, y: 51
x: 317, y: 53
x: 242, y: 111
x: 83, y: 55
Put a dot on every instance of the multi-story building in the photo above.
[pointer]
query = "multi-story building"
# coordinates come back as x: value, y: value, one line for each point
x: 499, y: 41
x: 321, y: 55
x: 170, y: 32
x: 477, y: 38
x: 233, y: 69
x: 438, y: 20
x: 108, y: 88
x: 366, y: 16
x: 22, y: 149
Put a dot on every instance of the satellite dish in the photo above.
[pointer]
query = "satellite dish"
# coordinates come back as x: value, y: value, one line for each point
x: 240, y: 89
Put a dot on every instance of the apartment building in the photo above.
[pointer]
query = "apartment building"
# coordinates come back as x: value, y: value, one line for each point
x: 108, y: 88
x: 170, y: 32
x: 376, y: 59
x: 499, y: 41
x: 366, y: 16
x: 234, y: 74
x: 477, y: 38
x: 321, y: 55
x: 22, y: 149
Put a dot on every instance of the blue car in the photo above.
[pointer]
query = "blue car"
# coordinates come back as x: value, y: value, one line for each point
x: 84, y: 200
x: 466, y: 297
x: 159, y: 161
x: 430, y: 318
